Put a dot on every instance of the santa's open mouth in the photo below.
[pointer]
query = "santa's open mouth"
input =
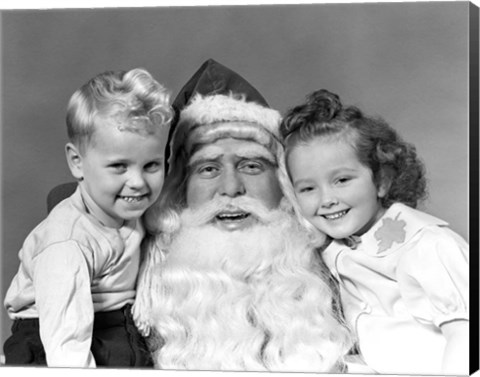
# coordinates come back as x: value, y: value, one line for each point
x: 232, y: 216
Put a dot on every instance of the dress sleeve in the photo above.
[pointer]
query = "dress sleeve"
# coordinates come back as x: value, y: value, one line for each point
x: 433, y: 276
x: 64, y: 302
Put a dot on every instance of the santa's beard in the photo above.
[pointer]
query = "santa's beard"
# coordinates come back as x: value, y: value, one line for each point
x: 250, y: 299
x: 203, y: 245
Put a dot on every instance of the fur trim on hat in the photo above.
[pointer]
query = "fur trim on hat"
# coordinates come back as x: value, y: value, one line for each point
x: 210, y: 133
x: 204, y: 110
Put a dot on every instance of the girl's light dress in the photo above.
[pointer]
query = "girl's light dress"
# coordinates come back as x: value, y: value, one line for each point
x: 404, y: 278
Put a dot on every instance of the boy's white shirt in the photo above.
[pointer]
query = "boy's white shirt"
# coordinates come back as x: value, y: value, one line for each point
x: 71, y: 267
x: 407, y: 276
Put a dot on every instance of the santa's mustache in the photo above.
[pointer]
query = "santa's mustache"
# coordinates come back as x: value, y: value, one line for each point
x: 226, y: 208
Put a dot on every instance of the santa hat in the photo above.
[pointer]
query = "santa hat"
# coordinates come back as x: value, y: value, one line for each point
x: 215, y: 103
x: 218, y: 103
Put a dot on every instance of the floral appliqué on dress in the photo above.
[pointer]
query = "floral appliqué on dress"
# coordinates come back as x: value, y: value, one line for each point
x: 391, y: 231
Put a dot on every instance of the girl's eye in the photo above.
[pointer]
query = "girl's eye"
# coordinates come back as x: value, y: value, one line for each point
x: 343, y: 180
x: 303, y: 190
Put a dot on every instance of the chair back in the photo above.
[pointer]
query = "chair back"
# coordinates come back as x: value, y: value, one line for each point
x: 60, y: 192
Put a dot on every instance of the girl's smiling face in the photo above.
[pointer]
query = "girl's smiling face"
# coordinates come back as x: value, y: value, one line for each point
x: 336, y: 192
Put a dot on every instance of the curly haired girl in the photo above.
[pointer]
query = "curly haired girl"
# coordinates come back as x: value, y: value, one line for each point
x: 403, y: 274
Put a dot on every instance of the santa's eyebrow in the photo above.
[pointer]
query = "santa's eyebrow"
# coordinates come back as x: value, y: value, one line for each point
x: 264, y: 161
x: 204, y: 156
x: 198, y: 162
x: 258, y: 153
x: 213, y: 153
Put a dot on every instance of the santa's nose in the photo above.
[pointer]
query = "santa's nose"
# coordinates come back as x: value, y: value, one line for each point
x: 231, y: 184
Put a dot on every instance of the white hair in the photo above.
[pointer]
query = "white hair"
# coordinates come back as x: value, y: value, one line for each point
x: 246, y: 300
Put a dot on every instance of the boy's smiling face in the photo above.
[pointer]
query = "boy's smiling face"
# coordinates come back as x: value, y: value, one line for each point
x: 336, y: 192
x: 121, y: 171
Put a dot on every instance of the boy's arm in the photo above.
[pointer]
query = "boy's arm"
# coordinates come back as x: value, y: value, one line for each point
x: 64, y: 303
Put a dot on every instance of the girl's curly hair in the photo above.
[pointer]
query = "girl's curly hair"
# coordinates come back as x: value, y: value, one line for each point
x: 378, y: 146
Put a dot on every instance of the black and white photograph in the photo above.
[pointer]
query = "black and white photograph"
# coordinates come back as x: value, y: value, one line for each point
x: 240, y: 187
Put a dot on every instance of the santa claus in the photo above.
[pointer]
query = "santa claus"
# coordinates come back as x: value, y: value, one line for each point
x: 232, y: 279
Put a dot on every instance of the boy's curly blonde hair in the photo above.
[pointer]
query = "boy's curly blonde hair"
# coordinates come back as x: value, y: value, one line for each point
x: 133, y: 99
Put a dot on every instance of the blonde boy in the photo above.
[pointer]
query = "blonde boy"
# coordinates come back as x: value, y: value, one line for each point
x: 71, y: 298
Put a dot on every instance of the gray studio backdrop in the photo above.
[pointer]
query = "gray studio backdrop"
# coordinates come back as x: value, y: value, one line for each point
x: 407, y: 62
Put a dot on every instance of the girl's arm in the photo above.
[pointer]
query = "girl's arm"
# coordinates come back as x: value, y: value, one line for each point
x: 64, y: 303
x: 456, y: 356
x: 434, y: 281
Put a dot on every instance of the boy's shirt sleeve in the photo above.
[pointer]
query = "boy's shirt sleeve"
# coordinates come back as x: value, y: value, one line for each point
x: 62, y: 281
x: 433, y: 277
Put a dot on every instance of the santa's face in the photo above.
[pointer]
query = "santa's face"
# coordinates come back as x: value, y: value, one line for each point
x: 232, y: 168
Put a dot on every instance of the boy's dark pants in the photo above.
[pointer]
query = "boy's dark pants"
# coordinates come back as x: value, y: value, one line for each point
x: 116, y: 342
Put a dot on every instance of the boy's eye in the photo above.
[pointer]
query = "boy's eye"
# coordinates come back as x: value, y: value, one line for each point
x: 153, y: 167
x: 118, y: 167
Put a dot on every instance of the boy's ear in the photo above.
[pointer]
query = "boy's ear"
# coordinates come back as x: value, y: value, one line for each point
x: 74, y: 160
x: 385, y: 181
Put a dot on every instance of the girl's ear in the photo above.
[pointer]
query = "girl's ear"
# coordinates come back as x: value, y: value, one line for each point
x: 384, y: 182
x: 74, y: 160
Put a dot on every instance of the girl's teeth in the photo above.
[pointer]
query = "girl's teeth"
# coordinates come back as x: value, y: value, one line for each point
x: 131, y: 199
x: 335, y: 215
